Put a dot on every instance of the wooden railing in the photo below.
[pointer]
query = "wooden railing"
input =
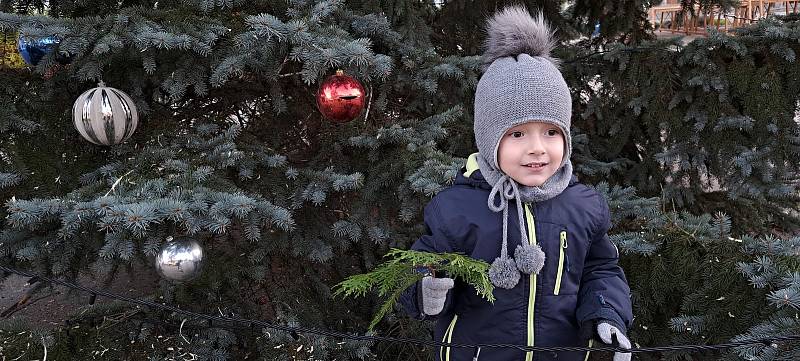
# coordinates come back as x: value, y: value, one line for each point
x: 673, y: 18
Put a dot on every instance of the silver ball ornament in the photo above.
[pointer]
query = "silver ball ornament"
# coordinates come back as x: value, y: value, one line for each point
x: 180, y: 260
x: 105, y: 115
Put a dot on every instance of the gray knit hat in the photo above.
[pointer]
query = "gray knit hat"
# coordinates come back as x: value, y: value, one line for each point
x: 521, y: 83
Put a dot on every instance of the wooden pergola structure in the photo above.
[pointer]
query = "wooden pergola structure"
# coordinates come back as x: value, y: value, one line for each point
x: 671, y: 17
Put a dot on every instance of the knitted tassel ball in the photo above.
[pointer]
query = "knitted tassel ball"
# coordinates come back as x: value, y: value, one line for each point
x: 503, y: 273
x: 529, y: 258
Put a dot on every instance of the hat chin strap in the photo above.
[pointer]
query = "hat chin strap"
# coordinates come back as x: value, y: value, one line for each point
x: 504, y: 271
x: 508, y: 190
x: 552, y: 187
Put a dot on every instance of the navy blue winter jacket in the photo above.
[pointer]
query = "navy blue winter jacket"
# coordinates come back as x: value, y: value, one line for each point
x: 579, y: 284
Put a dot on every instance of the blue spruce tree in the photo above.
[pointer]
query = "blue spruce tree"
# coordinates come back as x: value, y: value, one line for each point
x: 695, y: 146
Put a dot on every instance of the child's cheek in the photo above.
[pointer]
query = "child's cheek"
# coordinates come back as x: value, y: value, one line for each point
x: 502, y: 153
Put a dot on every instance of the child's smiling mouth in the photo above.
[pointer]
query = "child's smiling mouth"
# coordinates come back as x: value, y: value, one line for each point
x: 535, y: 165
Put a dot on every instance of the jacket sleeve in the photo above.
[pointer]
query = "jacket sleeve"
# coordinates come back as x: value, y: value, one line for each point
x: 604, y: 292
x: 434, y: 240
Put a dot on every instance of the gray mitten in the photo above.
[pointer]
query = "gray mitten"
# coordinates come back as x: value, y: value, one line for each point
x: 434, y: 293
x: 605, y: 330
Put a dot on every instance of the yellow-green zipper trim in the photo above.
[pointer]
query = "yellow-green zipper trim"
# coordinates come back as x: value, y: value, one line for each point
x: 532, y: 291
x: 591, y: 342
x: 448, y: 335
x: 561, y: 249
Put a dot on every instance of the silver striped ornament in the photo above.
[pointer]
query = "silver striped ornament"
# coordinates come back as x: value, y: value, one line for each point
x: 105, y: 115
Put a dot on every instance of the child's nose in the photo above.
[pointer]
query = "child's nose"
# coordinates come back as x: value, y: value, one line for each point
x: 536, y: 145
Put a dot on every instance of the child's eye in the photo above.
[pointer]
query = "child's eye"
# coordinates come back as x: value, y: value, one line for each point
x: 552, y: 132
x: 515, y: 134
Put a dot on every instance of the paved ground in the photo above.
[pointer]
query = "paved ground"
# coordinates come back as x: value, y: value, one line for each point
x: 685, y: 39
x: 51, y: 307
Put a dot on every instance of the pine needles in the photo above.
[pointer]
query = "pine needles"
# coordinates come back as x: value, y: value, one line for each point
x: 396, y: 275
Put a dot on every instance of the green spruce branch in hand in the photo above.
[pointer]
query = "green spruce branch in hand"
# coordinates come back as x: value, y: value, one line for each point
x: 396, y: 275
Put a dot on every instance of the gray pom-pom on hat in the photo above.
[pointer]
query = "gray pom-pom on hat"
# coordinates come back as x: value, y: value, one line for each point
x: 529, y: 258
x: 503, y: 273
x: 512, y: 31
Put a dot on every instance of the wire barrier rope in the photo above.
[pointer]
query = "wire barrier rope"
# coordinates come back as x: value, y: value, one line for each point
x: 770, y: 341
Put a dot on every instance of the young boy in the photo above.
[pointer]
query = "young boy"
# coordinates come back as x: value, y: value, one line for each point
x: 518, y: 206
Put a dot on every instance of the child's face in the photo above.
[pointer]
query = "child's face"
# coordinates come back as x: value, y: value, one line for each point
x: 530, y: 153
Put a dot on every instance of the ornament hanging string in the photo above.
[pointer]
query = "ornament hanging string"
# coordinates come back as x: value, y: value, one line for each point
x: 768, y: 342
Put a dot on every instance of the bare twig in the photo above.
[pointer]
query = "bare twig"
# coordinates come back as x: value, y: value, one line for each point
x: 369, y: 105
x: 44, y: 358
x: 25, y: 300
x: 109, y: 321
x: 113, y: 186
x: 289, y: 74
x: 180, y: 332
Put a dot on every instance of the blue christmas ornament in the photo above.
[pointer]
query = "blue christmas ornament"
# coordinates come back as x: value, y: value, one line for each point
x: 596, y: 31
x: 33, y: 50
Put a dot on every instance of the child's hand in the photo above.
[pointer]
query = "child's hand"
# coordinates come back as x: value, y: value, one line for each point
x: 605, y: 331
x: 434, y: 293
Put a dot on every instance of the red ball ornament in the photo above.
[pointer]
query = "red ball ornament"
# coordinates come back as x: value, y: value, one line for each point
x: 340, y: 98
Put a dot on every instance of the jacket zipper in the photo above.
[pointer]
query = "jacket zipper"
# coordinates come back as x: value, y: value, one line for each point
x: 532, y: 291
x: 591, y: 341
x: 448, y: 335
x: 561, y: 256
